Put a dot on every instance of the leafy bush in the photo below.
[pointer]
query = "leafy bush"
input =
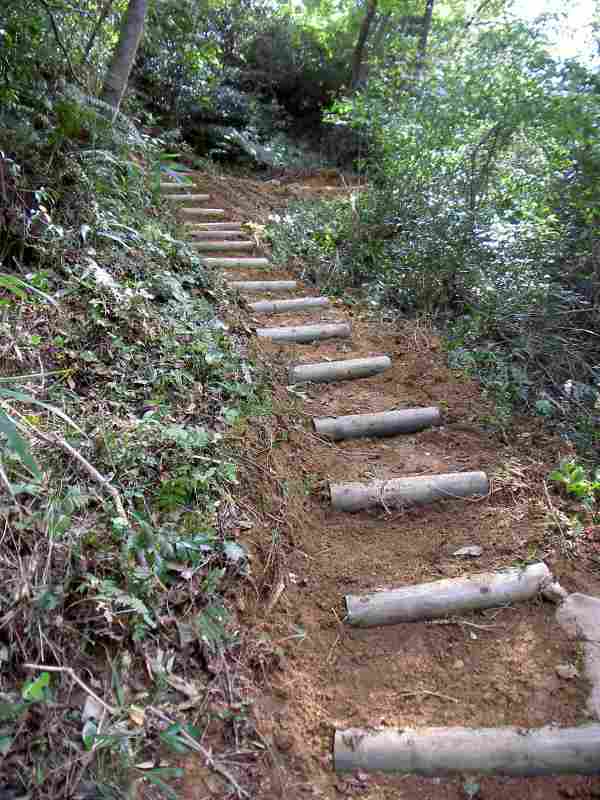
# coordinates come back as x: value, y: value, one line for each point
x: 479, y: 213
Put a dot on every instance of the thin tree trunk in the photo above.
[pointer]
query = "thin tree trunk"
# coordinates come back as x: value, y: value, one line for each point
x: 105, y: 11
x: 118, y: 73
x: 422, y: 45
x: 363, y: 35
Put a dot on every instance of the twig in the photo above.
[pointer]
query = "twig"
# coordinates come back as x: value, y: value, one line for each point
x: 71, y: 672
x: 54, y: 439
x: 276, y: 594
x: 332, y: 648
x: 432, y: 694
x: 195, y: 745
x: 460, y: 621
x: 91, y: 470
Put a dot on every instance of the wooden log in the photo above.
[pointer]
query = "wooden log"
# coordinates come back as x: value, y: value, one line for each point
x: 240, y: 262
x: 191, y: 198
x: 387, y: 423
x: 212, y: 246
x: 281, y: 306
x: 402, y: 492
x: 330, y: 371
x: 203, y: 212
x: 167, y: 186
x: 306, y: 333
x: 263, y: 286
x: 217, y: 235
x: 487, y: 751
x: 213, y: 226
x: 448, y: 596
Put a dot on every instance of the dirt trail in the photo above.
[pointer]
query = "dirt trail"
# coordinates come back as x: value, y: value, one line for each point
x: 483, y: 669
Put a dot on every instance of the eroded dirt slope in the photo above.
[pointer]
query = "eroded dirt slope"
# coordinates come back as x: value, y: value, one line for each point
x: 482, y: 669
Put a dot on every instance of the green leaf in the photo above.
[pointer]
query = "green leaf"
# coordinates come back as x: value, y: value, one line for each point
x: 172, y: 739
x: 17, y: 443
x: 154, y: 777
x: 34, y: 691
x: 210, y: 625
x: 88, y: 734
x: 13, y: 285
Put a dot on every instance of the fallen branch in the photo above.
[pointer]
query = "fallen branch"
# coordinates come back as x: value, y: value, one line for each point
x: 72, y: 674
x: 55, y: 439
x: 90, y: 469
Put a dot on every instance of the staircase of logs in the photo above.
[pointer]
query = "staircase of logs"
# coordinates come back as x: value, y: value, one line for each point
x: 432, y: 751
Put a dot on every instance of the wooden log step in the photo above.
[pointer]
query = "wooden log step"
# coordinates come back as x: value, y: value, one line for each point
x: 306, y: 333
x: 281, y: 306
x: 387, y: 423
x: 484, y: 751
x: 330, y: 371
x: 191, y: 198
x: 168, y: 186
x: 241, y: 262
x: 263, y: 286
x: 446, y: 597
x: 203, y: 212
x: 217, y: 235
x: 213, y: 226
x: 212, y: 247
x: 401, y: 492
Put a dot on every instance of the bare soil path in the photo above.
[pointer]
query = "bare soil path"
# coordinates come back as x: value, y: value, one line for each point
x: 481, y: 669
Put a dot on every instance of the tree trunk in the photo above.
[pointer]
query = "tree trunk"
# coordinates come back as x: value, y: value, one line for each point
x: 105, y: 11
x: 363, y: 35
x: 422, y: 46
x: 130, y: 36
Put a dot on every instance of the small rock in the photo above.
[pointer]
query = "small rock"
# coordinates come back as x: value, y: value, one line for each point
x: 471, y: 551
x: 283, y: 741
x: 554, y: 592
x: 567, y: 671
x: 458, y: 664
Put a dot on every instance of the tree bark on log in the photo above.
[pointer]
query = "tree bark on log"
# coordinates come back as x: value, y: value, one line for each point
x: 448, y: 596
x: 263, y: 286
x: 488, y: 751
x: 401, y: 492
x: 281, y: 306
x: 387, y: 423
x: 306, y: 333
x: 329, y: 372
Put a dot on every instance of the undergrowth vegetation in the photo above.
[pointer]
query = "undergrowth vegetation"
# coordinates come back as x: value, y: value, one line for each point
x: 119, y: 386
x: 481, y: 213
